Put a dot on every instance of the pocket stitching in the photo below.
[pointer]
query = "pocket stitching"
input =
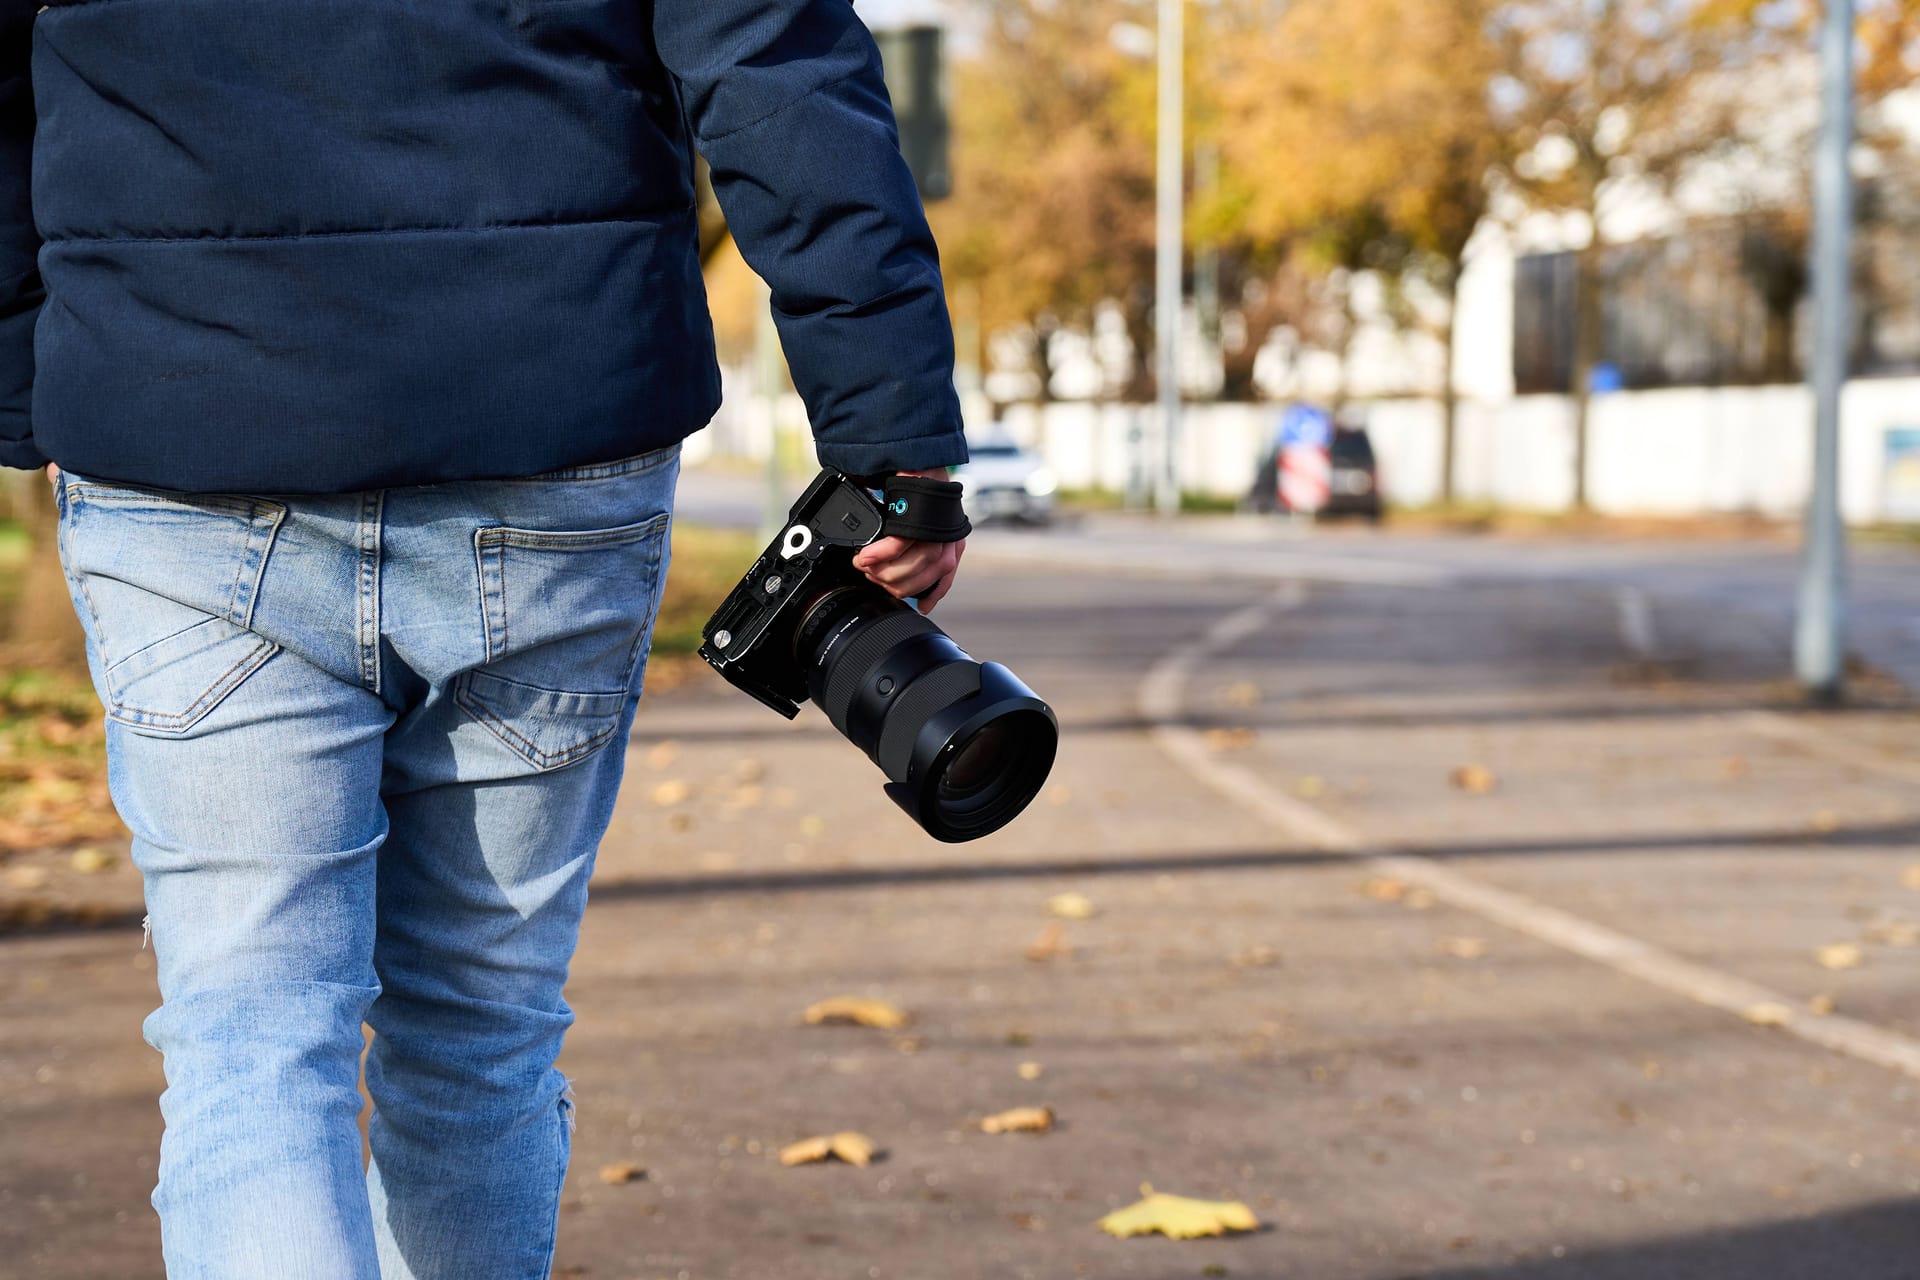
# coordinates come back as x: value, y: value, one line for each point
x: 250, y: 512
x: 464, y: 696
x: 496, y: 538
x: 181, y: 721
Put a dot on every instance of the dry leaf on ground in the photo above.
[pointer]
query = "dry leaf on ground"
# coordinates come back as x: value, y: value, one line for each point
x: 662, y: 754
x: 1051, y: 944
x: 1894, y: 933
x: 1256, y: 957
x: 1031, y: 1070
x: 1019, y: 1120
x: 1821, y: 1005
x: 1310, y: 787
x: 1070, y: 906
x: 1178, y: 1218
x: 1384, y: 889
x: 1911, y: 877
x: 1474, y: 778
x: 1243, y: 693
x: 813, y: 826
x: 748, y: 769
x: 1825, y: 821
x: 92, y: 860
x: 671, y: 792
x: 858, y: 1011
x: 1838, y: 955
x: 1464, y: 948
x: 1768, y: 1013
x: 615, y: 1175
x: 853, y: 1148
x: 1237, y: 738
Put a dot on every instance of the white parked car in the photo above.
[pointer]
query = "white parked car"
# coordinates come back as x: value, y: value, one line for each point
x: 1006, y: 482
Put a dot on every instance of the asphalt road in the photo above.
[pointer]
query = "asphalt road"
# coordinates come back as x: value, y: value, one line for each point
x: 1422, y: 1029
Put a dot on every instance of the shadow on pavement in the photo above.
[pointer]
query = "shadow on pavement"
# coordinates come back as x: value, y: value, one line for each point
x: 840, y: 878
x: 1872, y: 1242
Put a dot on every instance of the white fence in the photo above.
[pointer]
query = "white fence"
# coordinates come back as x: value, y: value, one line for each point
x: 1681, y: 452
x: 1684, y: 452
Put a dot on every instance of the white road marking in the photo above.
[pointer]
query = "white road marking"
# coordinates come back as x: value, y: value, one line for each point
x: 1161, y: 695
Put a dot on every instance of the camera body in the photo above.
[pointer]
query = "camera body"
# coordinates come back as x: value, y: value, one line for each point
x: 829, y: 522
x: 964, y: 744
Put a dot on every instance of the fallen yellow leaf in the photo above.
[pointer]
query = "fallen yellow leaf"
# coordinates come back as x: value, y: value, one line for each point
x: 1051, y: 944
x: 27, y: 878
x: 1031, y: 1070
x: 1911, y: 877
x: 1242, y: 694
x: 1820, y: 1006
x: 813, y: 826
x: 1838, y: 955
x: 1894, y: 933
x: 1237, y: 738
x: 748, y: 769
x: 1257, y: 957
x: 663, y: 754
x: 1826, y: 820
x: 671, y: 792
x: 1474, y: 778
x: 92, y: 860
x: 615, y: 1175
x: 1019, y: 1120
x: 858, y: 1011
x: 1177, y: 1217
x: 1384, y: 889
x: 852, y: 1148
x: 1768, y: 1013
x: 1070, y: 906
x: 1310, y: 787
x: 1464, y: 948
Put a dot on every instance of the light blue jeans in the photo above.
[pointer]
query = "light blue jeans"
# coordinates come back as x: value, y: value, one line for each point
x: 367, y: 746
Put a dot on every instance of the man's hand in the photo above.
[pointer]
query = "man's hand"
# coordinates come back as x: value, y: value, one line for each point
x: 903, y: 568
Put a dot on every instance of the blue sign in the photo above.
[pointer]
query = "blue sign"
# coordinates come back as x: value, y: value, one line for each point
x: 1305, y: 426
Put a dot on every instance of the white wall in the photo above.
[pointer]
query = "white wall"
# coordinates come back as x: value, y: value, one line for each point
x: 1683, y: 452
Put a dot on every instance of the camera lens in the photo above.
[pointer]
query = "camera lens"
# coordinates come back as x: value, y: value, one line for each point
x: 965, y: 745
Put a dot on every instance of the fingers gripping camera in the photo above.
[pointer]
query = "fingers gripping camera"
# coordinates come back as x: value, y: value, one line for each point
x: 965, y: 745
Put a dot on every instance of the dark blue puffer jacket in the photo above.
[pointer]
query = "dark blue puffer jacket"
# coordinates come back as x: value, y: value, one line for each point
x: 324, y: 245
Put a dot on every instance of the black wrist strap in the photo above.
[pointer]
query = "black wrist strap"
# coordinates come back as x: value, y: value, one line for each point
x: 922, y: 510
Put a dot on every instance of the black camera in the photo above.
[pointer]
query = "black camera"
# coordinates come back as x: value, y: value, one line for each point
x: 964, y: 744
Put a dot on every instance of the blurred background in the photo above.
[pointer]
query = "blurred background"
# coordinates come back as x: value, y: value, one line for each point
x: 1454, y: 468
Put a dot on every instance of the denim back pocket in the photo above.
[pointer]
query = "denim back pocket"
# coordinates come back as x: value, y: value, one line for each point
x: 165, y: 585
x: 567, y: 617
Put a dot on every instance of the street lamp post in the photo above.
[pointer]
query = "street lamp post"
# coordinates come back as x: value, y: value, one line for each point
x: 1820, y: 636
x: 1169, y: 217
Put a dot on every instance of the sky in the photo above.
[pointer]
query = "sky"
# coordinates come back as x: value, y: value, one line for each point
x: 897, y: 13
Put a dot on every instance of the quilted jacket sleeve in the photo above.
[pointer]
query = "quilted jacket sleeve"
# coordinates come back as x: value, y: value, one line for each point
x: 20, y: 290
x: 788, y: 106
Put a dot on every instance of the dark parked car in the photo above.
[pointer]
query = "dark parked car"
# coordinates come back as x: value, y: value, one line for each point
x: 1339, y: 478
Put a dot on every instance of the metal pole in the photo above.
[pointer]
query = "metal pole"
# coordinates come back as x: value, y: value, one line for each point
x: 1168, y: 219
x: 1820, y: 637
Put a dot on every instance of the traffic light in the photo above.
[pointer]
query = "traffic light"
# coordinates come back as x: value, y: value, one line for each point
x: 916, y: 71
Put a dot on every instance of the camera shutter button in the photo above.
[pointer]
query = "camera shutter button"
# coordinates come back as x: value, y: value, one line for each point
x: 886, y: 685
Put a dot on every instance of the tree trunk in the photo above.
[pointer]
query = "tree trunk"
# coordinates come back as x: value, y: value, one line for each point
x: 45, y: 631
x: 1587, y: 321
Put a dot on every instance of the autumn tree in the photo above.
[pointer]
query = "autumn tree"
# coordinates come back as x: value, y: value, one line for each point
x: 1052, y: 210
x: 1612, y: 99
